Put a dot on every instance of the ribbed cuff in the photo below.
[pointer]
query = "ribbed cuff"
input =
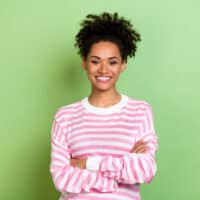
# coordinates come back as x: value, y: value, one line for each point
x: 93, y: 163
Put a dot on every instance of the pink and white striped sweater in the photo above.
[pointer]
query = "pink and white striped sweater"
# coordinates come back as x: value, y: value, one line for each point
x: 105, y: 136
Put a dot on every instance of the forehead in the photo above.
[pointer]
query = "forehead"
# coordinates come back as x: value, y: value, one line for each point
x: 104, y: 49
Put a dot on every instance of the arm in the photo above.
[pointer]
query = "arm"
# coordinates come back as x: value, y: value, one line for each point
x: 139, y: 147
x: 67, y: 178
x: 131, y: 168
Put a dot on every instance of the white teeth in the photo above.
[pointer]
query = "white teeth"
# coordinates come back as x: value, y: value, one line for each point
x: 103, y: 78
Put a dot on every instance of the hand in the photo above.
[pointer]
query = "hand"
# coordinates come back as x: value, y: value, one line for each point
x: 139, y: 147
x: 80, y: 163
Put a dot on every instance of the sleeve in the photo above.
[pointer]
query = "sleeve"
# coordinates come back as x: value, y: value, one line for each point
x: 68, y: 179
x: 132, y: 168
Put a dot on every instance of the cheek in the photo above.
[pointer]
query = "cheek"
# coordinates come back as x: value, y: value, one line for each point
x: 90, y: 74
x: 116, y: 72
x: 92, y: 70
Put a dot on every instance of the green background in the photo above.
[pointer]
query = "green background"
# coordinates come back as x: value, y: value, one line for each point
x: 40, y: 71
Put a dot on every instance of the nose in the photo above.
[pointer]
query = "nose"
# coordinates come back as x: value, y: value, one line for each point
x: 103, y: 67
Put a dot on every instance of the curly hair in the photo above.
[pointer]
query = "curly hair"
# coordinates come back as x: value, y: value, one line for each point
x: 107, y: 27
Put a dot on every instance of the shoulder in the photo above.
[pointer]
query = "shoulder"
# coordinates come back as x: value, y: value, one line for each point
x: 140, y: 107
x: 138, y: 104
x: 65, y: 111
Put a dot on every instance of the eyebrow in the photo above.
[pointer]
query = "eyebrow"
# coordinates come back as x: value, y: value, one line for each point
x: 100, y: 58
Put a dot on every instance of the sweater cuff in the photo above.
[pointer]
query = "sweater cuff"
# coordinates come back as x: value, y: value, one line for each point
x: 93, y: 163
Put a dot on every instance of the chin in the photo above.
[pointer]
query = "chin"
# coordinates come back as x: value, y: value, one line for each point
x: 102, y: 89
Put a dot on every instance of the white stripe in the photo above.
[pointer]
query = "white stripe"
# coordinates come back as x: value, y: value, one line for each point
x: 128, y: 190
x: 64, y: 178
x: 129, y: 169
x: 58, y: 149
x: 71, y: 185
x: 94, y: 152
x: 111, y: 136
x: 111, y: 121
x: 85, y: 130
x: 107, y: 118
x: 144, y: 161
x: 67, y: 115
x: 137, y: 105
x: 99, y: 143
x: 138, y: 170
x: 57, y: 163
x: 82, y: 124
x: 59, y: 157
x: 108, y: 196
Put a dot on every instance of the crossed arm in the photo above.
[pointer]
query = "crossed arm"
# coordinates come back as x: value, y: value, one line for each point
x: 135, y: 167
x: 71, y: 175
x: 139, y: 147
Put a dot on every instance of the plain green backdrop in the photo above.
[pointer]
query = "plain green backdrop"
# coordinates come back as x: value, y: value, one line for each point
x: 40, y: 71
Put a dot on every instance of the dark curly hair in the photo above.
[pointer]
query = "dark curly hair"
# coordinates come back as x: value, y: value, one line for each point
x: 107, y: 27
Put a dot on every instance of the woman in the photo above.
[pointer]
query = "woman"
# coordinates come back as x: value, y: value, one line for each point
x: 103, y: 146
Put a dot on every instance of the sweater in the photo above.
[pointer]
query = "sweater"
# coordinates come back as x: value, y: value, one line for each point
x: 105, y: 136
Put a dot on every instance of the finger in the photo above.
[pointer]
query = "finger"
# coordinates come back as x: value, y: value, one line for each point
x: 140, y: 142
x: 138, y: 146
x: 142, y: 149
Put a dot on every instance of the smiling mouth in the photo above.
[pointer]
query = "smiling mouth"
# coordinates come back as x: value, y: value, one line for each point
x: 103, y: 78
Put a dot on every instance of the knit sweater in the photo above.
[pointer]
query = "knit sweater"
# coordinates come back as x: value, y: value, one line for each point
x: 105, y: 136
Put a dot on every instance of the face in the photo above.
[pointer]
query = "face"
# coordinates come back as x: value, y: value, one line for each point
x: 103, y: 65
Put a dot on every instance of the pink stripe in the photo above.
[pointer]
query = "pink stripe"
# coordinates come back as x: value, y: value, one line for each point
x: 102, y: 133
x: 100, y: 196
x: 143, y: 127
x: 132, y: 196
x: 120, y: 126
x: 148, y: 121
x: 77, y: 180
x: 132, y: 164
x: 141, y: 166
x: 97, y: 153
x: 137, y: 103
x: 130, y: 109
x: 69, y: 176
x: 139, y: 106
x: 64, y: 155
x: 96, y: 147
x: 101, y: 122
x: 60, y: 177
x: 91, y: 115
x: 80, y: 118
x: 57, y: 159
x: 110, y: 139
x: 68, y: 112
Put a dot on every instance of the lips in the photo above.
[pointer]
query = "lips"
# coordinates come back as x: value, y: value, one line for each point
x: 103, y: 78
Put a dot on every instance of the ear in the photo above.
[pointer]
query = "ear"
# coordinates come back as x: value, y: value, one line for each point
x: 123, y: 67
x: 83, y: 63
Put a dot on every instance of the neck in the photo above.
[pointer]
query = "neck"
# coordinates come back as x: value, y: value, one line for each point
x: 104, y: 99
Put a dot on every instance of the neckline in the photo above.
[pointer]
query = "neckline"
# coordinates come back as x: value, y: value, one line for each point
x: 108, y: 110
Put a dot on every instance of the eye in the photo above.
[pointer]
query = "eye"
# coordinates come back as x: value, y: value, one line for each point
x: 94, y: 62
x: 113, y: 63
